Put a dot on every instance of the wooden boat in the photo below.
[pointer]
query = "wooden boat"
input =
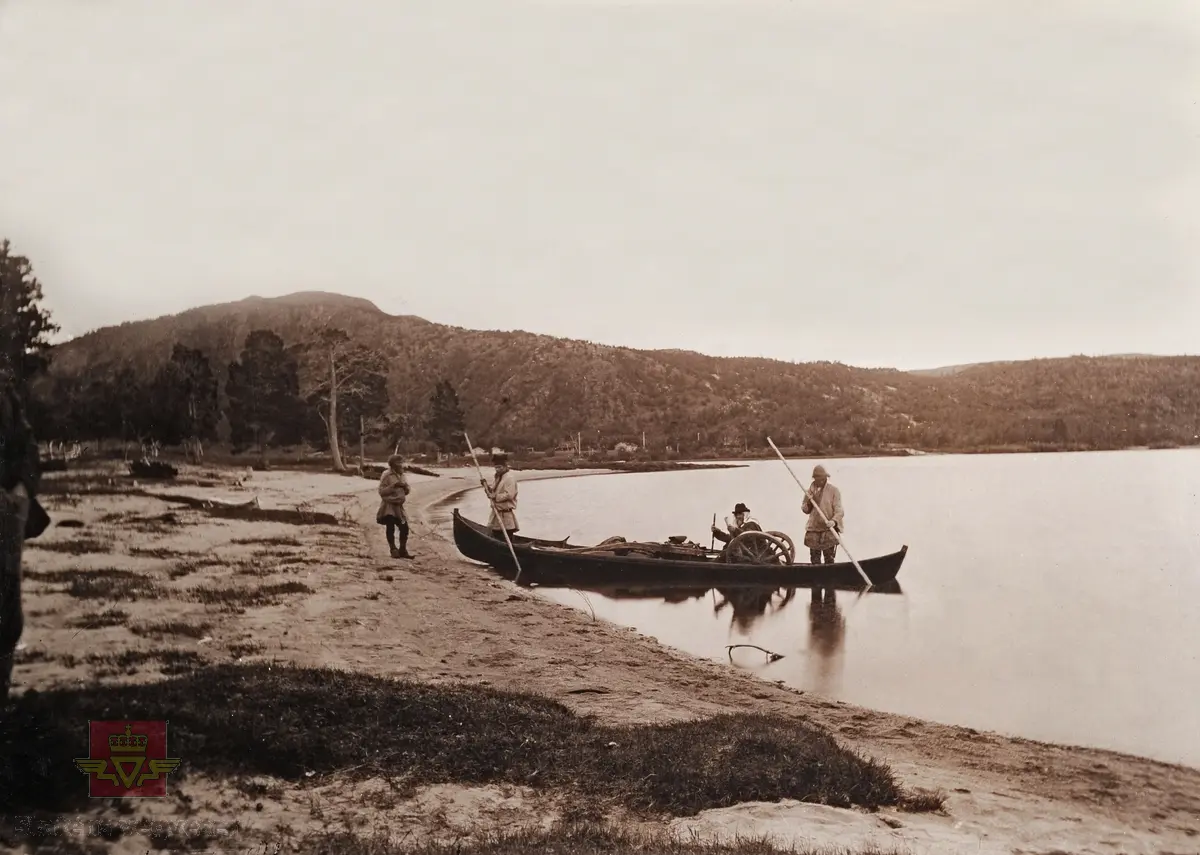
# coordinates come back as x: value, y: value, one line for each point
x: 764, y: 558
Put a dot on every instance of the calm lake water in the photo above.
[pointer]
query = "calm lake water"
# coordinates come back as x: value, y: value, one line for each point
x: 1051, y: 596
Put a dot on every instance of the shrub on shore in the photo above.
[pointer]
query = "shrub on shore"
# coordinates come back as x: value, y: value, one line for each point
x: 301, y: 725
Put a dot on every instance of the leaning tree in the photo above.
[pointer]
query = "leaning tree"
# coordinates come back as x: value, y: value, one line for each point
x: 347, y: 385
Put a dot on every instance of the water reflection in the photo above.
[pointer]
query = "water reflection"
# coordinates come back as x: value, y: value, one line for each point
x: 826, y: 640
x: 815, y: 625
x: 750, y: 605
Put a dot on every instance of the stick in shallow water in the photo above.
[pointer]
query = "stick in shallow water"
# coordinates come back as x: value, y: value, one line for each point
x: 772, y: 656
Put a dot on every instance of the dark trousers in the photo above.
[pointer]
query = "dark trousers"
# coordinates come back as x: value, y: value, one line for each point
x: 13, y: 511
x: 393, y: 528
x: 815, y: 555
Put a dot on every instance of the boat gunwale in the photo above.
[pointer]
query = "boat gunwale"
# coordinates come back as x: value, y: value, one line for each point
x: 609, y: 560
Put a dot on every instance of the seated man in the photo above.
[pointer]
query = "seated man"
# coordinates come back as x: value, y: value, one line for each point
x: 742, y: 522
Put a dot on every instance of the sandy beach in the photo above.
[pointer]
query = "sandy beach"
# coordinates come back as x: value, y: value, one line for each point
x: 327, y: 595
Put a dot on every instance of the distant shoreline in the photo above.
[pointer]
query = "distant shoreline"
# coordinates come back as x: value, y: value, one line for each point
x: 694, y: 463
x: 290, y: 460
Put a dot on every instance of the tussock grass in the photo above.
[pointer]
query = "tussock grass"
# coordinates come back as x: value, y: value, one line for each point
x: 163, y: 554
x: 112, y: 584
x: 570, y: 840
x: 174, y: 627
x: 99, y: 620
x: 74, y: 546
x: 245, y: 648
x: 130, y: 661
x: 255, y: 567
x: 104, y: 583
x: 61, y: 577
x: 262, y: 595
x: 194, y: 565
x: 279, y: 540
x: 288, y: 723
x: 156, y: 524
x: 924, y: 801
x: 170, y: 661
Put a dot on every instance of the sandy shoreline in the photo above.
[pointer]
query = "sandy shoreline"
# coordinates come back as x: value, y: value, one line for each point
x: 439, y: 618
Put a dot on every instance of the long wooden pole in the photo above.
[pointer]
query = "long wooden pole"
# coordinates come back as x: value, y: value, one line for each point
x: 817, y: 507
x: 495, y: 510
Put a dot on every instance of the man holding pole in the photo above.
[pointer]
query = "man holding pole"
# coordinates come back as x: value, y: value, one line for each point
x: 819, y: 535
x: 503, y: 494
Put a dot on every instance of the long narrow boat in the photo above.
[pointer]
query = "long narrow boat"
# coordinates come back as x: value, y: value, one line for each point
x: 553, y: 563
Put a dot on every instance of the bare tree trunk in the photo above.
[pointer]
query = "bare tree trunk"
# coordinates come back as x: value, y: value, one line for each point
x: 332, y: 424
x: 362, y: 444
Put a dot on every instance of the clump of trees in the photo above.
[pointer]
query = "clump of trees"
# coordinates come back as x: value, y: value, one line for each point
x: 325, y: 390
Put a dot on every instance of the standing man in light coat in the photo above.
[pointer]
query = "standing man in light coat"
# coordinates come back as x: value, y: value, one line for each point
x: 393, y: 491
x: 503, y: 494
x: 819, y: 536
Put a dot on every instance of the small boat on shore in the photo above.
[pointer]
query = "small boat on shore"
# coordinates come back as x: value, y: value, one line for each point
x: 760, y: 558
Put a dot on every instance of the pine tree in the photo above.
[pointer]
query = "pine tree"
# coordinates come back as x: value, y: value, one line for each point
x: 446, y: 424
x: 25, y: 326
x: 264, y: 392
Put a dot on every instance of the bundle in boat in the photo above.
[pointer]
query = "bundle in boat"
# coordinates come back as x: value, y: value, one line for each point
x: 675, y: 548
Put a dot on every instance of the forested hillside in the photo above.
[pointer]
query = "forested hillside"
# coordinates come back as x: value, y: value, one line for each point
x: 194, y: 373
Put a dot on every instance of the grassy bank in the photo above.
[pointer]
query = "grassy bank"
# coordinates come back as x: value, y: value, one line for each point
x: 302, y: 725
x: 569, y: 840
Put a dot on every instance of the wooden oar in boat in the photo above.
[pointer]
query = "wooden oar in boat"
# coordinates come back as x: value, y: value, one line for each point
x: 495, y: 510
x: 817, y: 508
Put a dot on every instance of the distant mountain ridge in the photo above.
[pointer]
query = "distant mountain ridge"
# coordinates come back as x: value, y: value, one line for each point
x: 945, y: 370
x: 538, y: 390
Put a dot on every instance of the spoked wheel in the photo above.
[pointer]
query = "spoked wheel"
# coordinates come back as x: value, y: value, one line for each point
x: 757, y: 547
x: 791, y: 546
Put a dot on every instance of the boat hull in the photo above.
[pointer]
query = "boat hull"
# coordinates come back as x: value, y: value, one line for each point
x: 560, y: 567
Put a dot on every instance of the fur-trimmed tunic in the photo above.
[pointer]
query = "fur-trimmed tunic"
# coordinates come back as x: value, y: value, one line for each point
x: 504, y: 494
x: 393, y: 490
x: 817, y: 534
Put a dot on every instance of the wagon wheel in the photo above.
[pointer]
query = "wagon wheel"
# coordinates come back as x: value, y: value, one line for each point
x: 791, y: 546
x: 756, y: 547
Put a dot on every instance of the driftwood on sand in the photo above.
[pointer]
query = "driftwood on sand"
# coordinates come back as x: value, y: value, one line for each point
x: 250, y: 510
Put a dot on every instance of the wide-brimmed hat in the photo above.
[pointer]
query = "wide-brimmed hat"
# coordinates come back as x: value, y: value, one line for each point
x: 499, y: 457
x: 740, y: 508
x: 819, y: 470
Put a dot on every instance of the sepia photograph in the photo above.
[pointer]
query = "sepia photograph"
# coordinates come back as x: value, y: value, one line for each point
x: 649, y: 427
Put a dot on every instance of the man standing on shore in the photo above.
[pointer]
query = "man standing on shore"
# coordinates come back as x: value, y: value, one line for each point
x: 503, y: 494
x: 819, y: 536
x: 19, y: 477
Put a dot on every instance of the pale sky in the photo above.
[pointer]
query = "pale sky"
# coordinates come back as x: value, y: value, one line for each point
x: 887, y: 183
